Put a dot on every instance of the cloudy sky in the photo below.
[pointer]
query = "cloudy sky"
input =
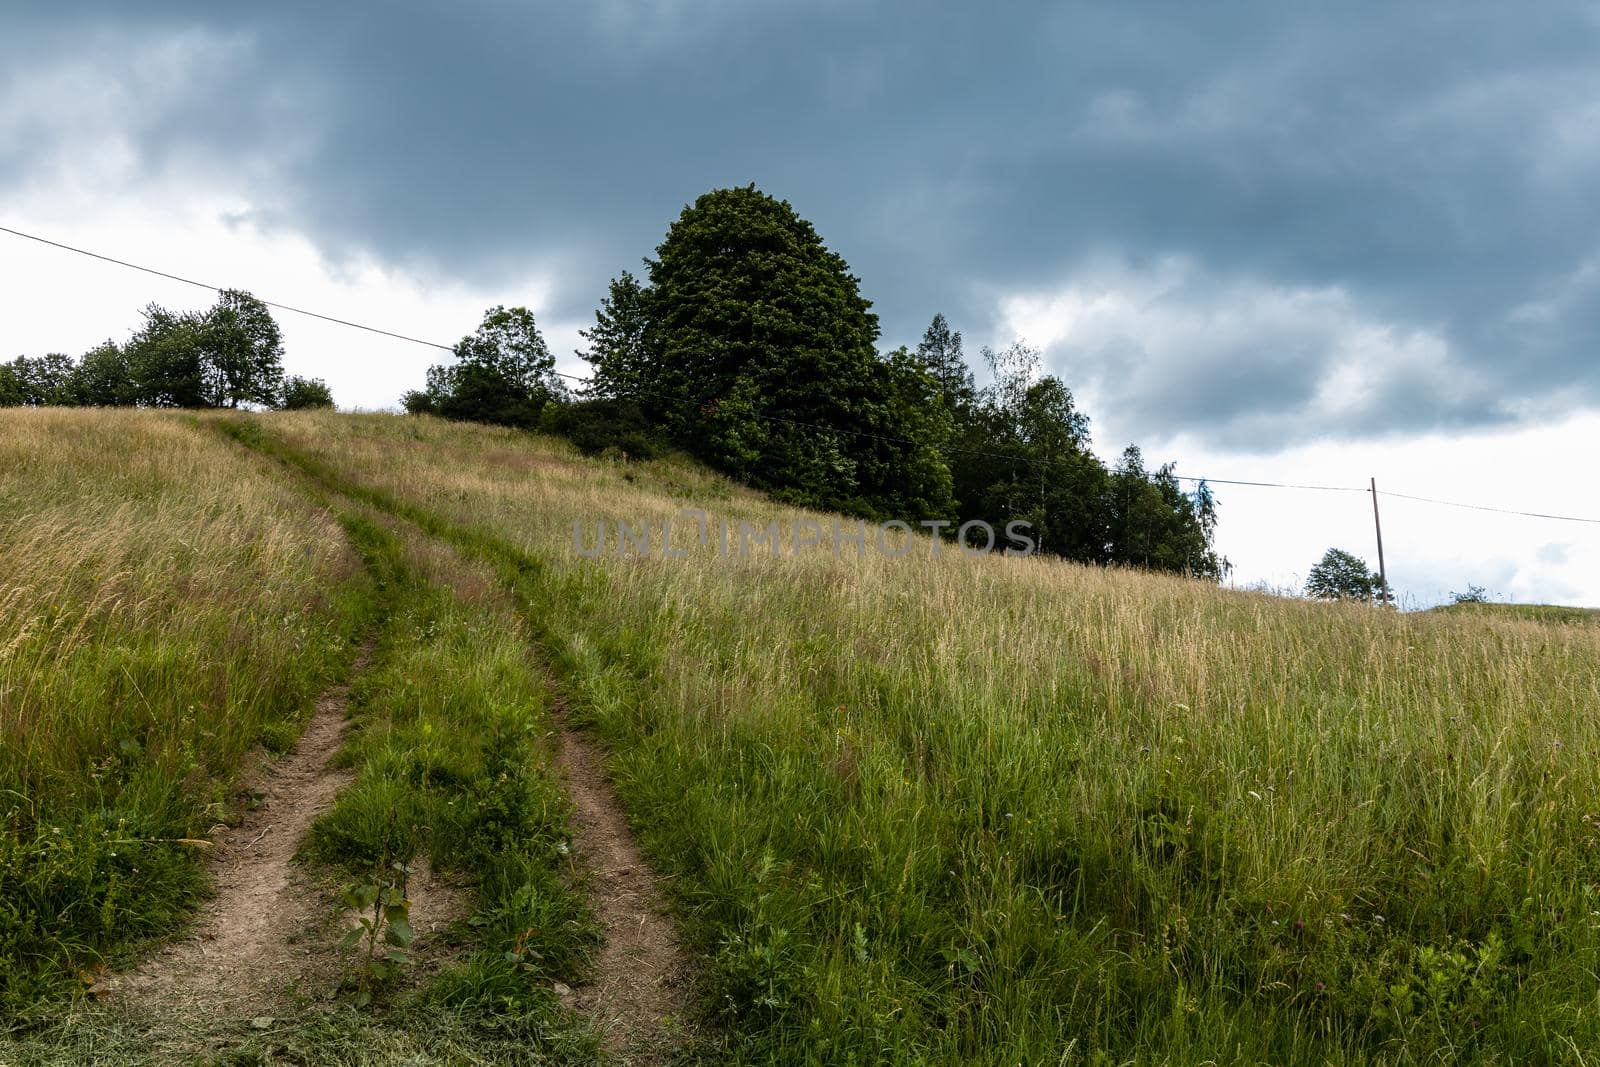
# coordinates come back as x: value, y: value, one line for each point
x: 1270, y: 242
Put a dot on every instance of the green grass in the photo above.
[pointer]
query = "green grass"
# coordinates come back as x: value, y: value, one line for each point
x: 423, y: 1035
x: 1532, y: 612
x: 1002, y: 811
x: 165, y: 605
x: 453, y: 763
x: 925, y: 811
x: 450, y: 746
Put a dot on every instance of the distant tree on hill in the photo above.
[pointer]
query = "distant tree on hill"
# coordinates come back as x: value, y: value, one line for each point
x: 1475, y: 594
x: 940, y: 351
x: 622, y: 366
x: 241, y: 355
x: 10, y: 387
x: 1158, y: 526
x: 503, y: 373
x: 300, y: 394
x: 228, y: 355
x: 1342, y: 576
x: 38, y: 382
x: 103, y: 378
x: 166, y: 361
x: 1022, y: 451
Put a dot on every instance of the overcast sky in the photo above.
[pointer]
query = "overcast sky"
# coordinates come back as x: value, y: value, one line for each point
x: 1270, y: 242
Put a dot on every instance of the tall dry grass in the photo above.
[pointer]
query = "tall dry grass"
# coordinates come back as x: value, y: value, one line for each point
x: 165, y: 604
x: 1013, y: 810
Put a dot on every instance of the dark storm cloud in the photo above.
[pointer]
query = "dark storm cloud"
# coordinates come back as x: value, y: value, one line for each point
x: 1417, y: 178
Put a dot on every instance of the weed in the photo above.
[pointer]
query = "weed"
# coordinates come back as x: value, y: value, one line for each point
x: 383, y: 930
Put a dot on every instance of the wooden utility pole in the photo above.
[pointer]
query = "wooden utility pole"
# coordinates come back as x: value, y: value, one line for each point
x: 1383, y: 572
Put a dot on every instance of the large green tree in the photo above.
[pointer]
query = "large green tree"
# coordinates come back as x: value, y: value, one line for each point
x: 763, y: 361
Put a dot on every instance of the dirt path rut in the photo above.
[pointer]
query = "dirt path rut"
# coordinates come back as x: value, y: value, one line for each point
x: 242, y: 948
x: 639, y: 996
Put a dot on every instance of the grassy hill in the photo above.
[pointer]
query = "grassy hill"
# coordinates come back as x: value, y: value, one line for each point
x: 932, y: 809
x: 1535, y: 612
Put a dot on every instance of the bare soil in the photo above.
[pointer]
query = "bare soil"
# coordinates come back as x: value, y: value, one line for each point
x: 270, y: 930
x: 271, y: 927
x: 638, y: 997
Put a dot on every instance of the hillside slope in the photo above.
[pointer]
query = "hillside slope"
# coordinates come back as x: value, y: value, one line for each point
x: 923, y: 809
x: 1008, y: 810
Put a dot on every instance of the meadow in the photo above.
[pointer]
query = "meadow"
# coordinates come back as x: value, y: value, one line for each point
x: 174, y: 605
x: 999, y: 810
x: 928, y: 810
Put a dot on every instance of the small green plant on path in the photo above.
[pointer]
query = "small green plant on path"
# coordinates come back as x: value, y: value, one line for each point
x: 383, y: 924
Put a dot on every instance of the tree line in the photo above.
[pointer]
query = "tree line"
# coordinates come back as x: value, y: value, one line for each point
x: 227, y: 356
x: 748, y: 345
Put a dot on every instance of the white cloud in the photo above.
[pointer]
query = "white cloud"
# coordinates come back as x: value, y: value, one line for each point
x: 1169, y: 345
x: 1263, y: 363
x: 200, y: 216
x: 54, y: 301
x: 1275, y: 535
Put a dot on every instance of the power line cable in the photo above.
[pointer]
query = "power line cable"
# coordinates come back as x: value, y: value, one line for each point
x: 218, y: 289
x: 1488, y: 507
x: 1197, y: 479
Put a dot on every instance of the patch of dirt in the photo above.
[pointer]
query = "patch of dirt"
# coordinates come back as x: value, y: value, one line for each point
x: 256, y: 935
x: 639, y: 995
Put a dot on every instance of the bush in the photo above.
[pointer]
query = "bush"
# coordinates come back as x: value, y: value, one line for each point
x: 596, y: 425
x: 300, y: 394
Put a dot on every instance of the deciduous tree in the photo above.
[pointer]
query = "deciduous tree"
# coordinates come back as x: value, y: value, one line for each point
x: 622, y: 366
x: 503, y: 373
x: 300, y: 394
x: 104, y: 378
x: 241, y: 352
x: 1339, y: 575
